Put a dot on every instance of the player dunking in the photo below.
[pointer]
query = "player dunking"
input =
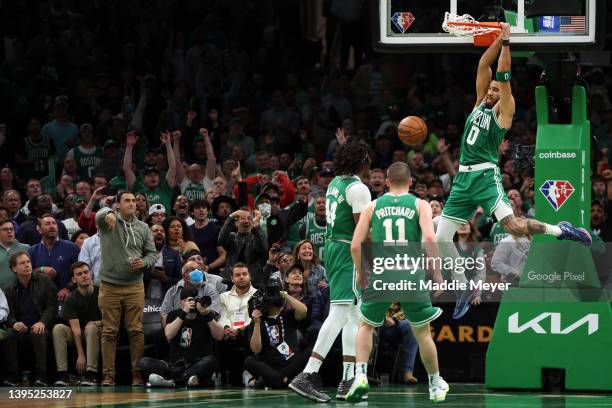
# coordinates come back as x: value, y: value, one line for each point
x: 478, y: 182
x: 413, y: 226
x: 346, y: 198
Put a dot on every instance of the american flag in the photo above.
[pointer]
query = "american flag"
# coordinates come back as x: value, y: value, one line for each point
x: 572, y: 24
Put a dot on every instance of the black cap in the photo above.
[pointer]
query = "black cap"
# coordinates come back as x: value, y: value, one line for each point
x: 110, y: 142
x: 188, y: 292
x: 191, y: 253
x: 274, y: 281
x: 326, y: 173
x: 262, y: 196
x: 223, y: 199
x: 151, y: 170
x: 270, y: 186
x: 61, y: 100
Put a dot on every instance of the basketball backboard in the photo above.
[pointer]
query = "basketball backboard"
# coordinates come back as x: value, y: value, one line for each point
x: 537, y: 25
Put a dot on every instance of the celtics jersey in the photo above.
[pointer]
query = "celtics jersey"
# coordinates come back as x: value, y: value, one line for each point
x: 497, y: 233
x: 339, y: 214
x: 38, y: 153
x: 315, y: 233
x: 87, y: 162
x: 194, y: 192
x: 293, y: 236
x: 396, y: 219
x: 481, y: 137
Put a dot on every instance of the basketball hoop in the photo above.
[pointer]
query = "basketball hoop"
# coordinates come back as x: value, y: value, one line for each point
x: 484, y: 33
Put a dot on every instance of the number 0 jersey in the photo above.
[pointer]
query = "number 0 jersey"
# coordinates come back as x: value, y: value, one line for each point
x: 481, y: 137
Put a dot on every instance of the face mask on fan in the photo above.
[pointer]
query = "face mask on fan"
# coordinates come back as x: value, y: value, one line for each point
x: 266, y: 209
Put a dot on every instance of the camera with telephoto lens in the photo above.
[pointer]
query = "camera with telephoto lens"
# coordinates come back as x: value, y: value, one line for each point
x: 204, y: 301
x: 268, y: 296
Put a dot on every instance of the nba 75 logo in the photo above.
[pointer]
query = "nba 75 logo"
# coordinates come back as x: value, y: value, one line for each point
x: 402, y: 20
x: 557, y: 192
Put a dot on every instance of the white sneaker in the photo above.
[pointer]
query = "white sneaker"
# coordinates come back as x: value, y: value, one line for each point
x: 438, y: 390
x: 193, y: 381
x: 246, y: 378
x: 156, y: 380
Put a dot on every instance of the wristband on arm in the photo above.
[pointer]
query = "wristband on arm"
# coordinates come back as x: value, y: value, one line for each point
x: 503, y: 76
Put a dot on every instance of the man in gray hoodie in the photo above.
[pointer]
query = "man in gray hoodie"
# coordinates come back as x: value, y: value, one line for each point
x: 127, y: 250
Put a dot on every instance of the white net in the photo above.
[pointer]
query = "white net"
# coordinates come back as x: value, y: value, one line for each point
x: 465, y: 25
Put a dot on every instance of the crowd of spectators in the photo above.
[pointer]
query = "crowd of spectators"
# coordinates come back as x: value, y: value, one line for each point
x: 223, y: 119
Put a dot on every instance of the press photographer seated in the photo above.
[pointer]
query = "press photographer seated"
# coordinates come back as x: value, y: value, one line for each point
x: 193, y: 278
x: 190, y: 331
x: 273, y: 336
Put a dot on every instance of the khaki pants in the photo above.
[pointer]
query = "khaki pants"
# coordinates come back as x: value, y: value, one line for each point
x: 112, y: 300
x: 62, y: 337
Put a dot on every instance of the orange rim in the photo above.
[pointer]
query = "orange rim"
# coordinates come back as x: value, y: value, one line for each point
x: 485, y: 24
x: 486, y: 39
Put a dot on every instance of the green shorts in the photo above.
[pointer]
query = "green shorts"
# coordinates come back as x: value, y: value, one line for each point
x: 473, y: 189
x: 416, y: 302
x: 417, y: 313
x: 340, y: 272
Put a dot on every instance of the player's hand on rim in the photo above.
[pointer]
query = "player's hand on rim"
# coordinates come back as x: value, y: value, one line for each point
x: 505, y: 30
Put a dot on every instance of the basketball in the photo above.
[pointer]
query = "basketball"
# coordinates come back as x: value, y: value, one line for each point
x: 412, y: 130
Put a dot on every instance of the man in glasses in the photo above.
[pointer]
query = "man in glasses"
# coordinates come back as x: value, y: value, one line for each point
x: 8, y: 245
x: 278, y: 263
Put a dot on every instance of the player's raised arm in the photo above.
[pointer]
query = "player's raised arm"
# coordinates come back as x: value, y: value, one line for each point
x: 505, y: 108
x: 360, y: 235
x: 484, y: 74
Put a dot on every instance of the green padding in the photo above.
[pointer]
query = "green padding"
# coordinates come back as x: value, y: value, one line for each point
x: 528, y: 337
x: 565, y: 324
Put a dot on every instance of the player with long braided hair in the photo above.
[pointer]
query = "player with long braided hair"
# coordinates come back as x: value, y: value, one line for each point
x: 346, y: 198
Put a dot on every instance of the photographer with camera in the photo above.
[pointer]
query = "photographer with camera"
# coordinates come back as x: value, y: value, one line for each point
x: 273, y: 336
x: 193, y: 278
x: 278, y: 262
x: 191, y: 331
